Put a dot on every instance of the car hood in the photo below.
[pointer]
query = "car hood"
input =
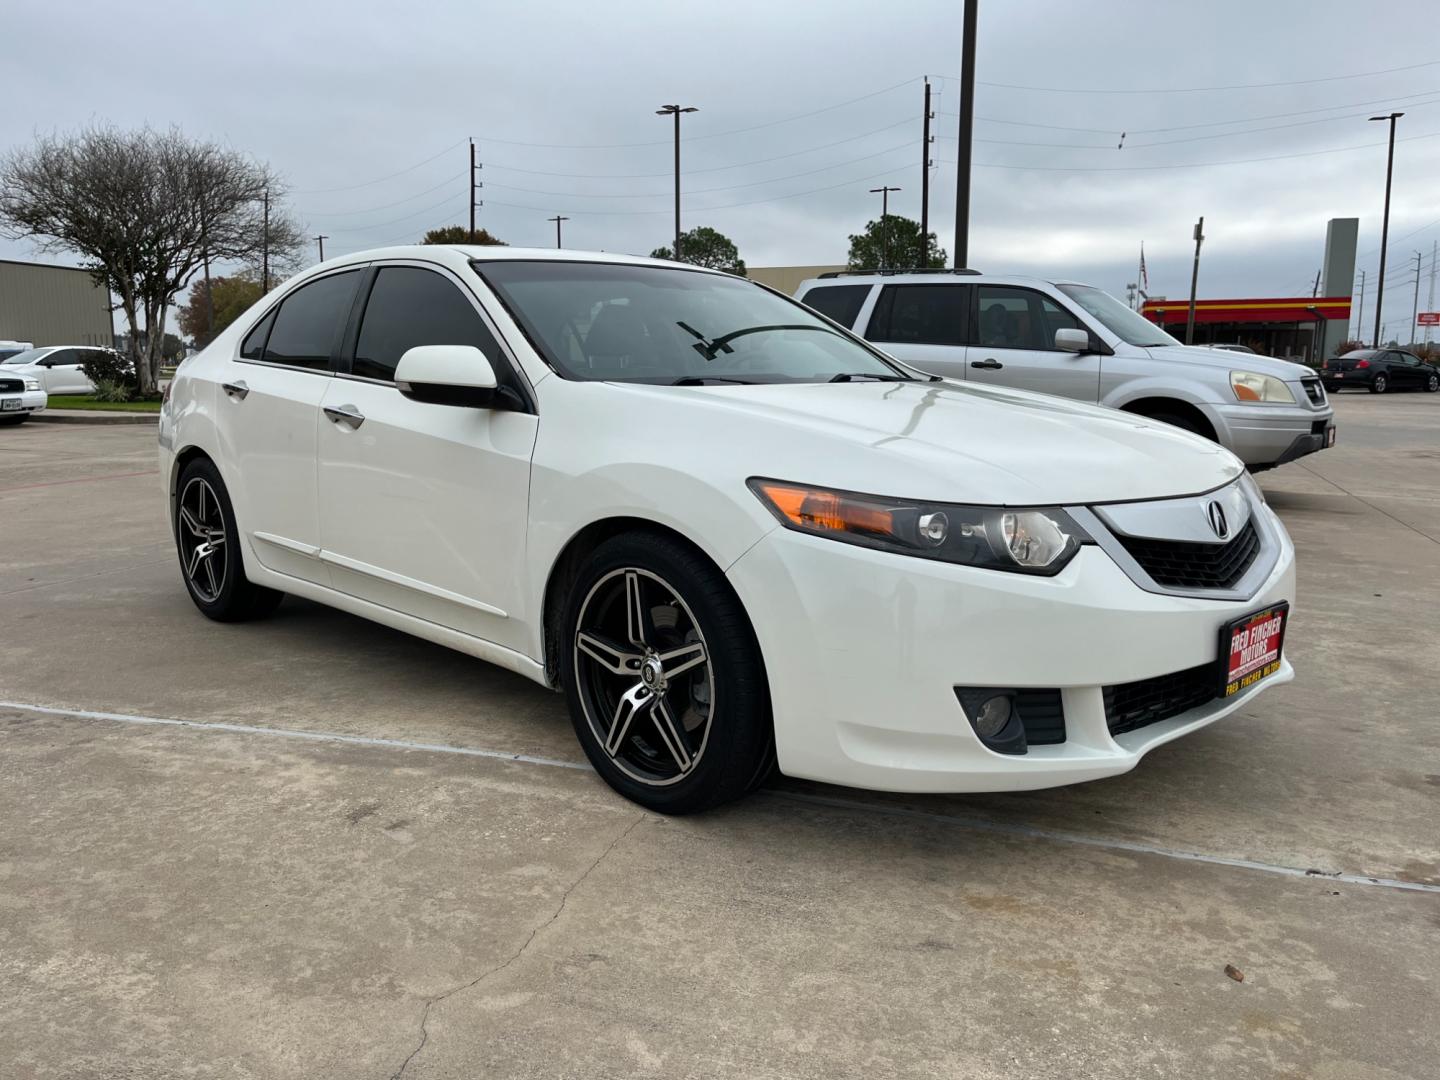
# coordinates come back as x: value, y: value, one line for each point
x: 944, y: 441
x: 1232, y: 361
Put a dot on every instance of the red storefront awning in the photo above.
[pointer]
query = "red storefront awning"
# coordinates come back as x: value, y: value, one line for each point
x: 1281, y: 310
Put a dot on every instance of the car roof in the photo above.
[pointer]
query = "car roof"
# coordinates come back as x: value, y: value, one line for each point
x: 453, y: 253
x: 937, y: 277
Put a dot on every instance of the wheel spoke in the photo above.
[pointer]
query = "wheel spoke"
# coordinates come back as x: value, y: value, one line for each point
x: 196, y: 557
x: 637, y: 615
x: 193, y: 524
x: 210, y: 574
x: 678, y: 661
x: 635, y: 699
x: 607, y: 654
x: 673, y: 733
x: 200, y: 501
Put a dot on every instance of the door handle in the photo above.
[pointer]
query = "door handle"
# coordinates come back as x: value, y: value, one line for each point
x: 345, y: 414
x: 989, y: 364
x: 237, y: 390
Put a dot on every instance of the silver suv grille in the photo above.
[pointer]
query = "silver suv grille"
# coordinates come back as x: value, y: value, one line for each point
x: 1314, y: 390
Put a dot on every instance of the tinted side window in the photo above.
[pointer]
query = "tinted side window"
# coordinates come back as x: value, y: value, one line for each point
x: 409, y: 307
x: 253, y: 348
x: 839, y: 302
x: 1013, y: 318
x: 63, y: 357
x: 920, y: 315
x: 309, y: 322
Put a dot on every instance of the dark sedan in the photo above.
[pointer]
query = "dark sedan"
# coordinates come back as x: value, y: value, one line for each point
x: 1379, y: 370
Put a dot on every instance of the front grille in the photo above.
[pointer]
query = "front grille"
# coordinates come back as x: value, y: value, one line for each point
x: 1041, y: 715
x: 11, y: 386
x: 1181, y: 564
x: 1148, y: 701
x: 1314, y: 391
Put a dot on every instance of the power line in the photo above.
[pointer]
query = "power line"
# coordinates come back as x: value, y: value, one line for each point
x: 378, y: 179
x: 386, y: 206
x: 1202, y: 89
x: 408, y: 217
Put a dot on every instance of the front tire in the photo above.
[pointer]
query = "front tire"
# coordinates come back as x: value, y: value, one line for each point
x: 14, y: 420
x: 1432, y: 383
x: 1379, y: 384
x: 663, y: 676
x: 208, y: 544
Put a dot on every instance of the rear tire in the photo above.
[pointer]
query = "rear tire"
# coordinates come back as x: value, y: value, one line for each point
x: 664, y: 677
x: 1379, y: 384
x: 208, y: 544
x: 1432, y: 383
x: 14, y: 421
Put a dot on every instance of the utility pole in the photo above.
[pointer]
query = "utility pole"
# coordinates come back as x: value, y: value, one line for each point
x: 557, y: 219
x: 321, y: 241
x: 1385, y: 223
x: 1430, y: 303
x: 1360, y: 317
x: 1194, y: 281
x: 675, y: 111
x: 265, y: 246
x: 1315, y: 289
x: 1415, y: 311
x: 967, y: 129
x: 472, y: 191
x: 926, y: 139
x: 884, y: 193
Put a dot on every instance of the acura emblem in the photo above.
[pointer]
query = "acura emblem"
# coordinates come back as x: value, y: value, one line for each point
x: 1216, y: 513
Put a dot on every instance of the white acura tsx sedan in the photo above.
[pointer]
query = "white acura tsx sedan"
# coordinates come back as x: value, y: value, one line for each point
x: 734, y: 534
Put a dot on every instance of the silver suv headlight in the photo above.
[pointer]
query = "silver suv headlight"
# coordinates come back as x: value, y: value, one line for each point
x: 1028, y: 540
x: 1252, y: 387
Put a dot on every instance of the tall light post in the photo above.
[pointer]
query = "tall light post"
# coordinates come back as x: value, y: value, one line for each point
x: 675, y: 111
x: 965, y: 133
x: 884, y: 193
x: 1384, y: 223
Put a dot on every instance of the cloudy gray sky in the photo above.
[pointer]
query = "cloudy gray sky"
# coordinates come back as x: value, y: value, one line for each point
x: 365, y: 108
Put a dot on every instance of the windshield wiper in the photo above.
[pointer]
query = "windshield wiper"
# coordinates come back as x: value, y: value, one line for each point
x: 703, y: 380
x: 846, y: 376
x: 711, y: 347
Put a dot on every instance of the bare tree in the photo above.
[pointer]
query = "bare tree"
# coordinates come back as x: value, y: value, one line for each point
x: 148, y: 210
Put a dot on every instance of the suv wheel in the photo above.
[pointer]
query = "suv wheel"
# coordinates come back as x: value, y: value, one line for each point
x: 207, y: 541
x: 1379, y: 384
x: 664, y: 678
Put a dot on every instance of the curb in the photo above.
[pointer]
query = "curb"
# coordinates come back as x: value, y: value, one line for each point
x: 92, y: 416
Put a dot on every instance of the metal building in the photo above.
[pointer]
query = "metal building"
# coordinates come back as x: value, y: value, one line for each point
x: 53, y: 305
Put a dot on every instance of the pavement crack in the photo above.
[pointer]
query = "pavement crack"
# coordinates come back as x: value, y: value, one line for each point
x: 539, y: 929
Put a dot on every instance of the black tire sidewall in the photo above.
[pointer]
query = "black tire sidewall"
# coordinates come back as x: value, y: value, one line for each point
x: 1432, y: 384
x: 232, y: 602
x: 740, y: 746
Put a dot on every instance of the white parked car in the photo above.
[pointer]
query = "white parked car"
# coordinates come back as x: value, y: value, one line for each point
x: 728, y: 530
x: 59, y: 368
x: 1077, y: 341
x: 21, y: 396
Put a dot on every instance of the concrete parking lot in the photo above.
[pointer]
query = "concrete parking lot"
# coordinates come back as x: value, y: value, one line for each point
x: 436, y: 887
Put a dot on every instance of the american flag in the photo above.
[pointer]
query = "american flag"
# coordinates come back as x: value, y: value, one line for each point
x: 1144, y: 277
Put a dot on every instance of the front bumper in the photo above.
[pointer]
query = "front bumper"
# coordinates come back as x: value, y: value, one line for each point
x: 864, y: 650
x: 1264, y: 436
x: 31, y: 401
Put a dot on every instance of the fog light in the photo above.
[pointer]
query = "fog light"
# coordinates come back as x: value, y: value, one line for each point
x: 992, y: 716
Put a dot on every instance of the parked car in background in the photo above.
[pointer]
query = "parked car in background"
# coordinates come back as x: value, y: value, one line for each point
x: 727, y: 529
x: 1076, y: 341
x: 10, y: 348
x: 1379, y: 371
x: 60, y: 368
x: 20, y: 396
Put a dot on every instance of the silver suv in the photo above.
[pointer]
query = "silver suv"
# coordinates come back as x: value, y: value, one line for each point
x: 1077, y: 341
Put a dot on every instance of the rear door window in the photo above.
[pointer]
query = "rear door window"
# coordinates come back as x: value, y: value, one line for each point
x: 920, y: 315
x: 309, y: 323
x: 839, y: 302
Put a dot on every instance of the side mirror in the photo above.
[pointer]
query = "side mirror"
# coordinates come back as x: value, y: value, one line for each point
x: 447, y: 375
x: 1068, y: 339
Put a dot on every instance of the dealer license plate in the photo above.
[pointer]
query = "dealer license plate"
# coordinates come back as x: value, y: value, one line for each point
x: 10, y: 404
x: 1250, y: 649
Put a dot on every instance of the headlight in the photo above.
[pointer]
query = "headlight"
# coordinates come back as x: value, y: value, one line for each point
x: 32, y: 384
x: 1252, y: 386
x: 1036, y: 540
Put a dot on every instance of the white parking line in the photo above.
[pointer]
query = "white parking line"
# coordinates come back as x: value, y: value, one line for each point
x: 853, y: 805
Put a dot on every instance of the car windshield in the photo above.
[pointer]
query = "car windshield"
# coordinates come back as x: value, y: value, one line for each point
x: 29, y: 356
x: 626, y: 323
x: 1130, y: 326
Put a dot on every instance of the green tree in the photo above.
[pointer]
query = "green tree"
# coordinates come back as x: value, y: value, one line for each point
x: 232, y: 297
x: 895, y: 243
x: 459, y: 234
x: 704, y: 246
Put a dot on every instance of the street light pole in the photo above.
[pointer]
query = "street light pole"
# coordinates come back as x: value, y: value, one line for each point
x: 925, y: 139
x: 675, y: 111
x: 967, y: 129
x: 1194, y: 281
x: 1384, y: 224
x: 884, y: 193
x: 557, y: 219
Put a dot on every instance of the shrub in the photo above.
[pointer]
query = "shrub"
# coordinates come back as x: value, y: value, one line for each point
x: 106, y: 366
x: 110, y: 390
